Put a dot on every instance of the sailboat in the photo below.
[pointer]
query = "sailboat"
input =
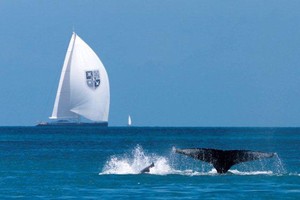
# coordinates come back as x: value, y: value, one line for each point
x: 83, y: 89
x: 129, y: 120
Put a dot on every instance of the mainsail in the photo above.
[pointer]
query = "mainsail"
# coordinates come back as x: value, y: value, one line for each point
x: 83, y: 88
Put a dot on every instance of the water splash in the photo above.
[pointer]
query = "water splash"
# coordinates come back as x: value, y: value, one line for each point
x: 138, y: 159
x: 134, y: 163
x: 279, y: 167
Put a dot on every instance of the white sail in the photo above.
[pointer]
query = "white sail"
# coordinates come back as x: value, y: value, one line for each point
x: 83, y: 88
x: 129, y: 120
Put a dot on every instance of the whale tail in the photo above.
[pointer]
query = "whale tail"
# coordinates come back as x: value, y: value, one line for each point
x: 223, y: 160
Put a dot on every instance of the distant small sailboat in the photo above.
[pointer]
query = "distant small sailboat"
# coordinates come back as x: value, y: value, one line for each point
x: 83, y: 89
x: 129, y: 121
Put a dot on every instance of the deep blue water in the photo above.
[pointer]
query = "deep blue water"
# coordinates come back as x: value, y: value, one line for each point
x: 103, y: 163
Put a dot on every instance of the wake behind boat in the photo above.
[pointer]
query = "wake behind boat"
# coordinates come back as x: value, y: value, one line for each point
x: 83, y: 90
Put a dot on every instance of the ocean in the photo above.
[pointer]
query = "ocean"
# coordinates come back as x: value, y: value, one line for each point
x: 104, y: 163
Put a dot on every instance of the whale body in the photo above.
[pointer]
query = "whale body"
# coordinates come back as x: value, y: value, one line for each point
x: 223, y: 160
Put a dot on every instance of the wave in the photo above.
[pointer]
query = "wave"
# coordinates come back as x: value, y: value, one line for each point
x: 138, y: 160
x: 237, y: 172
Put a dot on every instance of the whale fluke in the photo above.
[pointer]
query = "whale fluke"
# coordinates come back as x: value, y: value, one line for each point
x: 147, y: 169
x: 223, y: 160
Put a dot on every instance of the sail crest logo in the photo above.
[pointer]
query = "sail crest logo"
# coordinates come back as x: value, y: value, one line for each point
x: 93, y: 78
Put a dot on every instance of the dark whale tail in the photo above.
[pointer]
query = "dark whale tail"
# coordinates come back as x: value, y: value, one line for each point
x: 223, y: 160
x: 147, y: 169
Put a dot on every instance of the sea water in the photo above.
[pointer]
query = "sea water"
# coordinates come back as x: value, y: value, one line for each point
x: 105, y: 163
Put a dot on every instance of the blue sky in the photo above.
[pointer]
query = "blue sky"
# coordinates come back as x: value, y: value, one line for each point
x: 170, y: 63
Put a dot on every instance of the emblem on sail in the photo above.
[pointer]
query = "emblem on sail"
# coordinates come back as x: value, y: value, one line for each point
x: 93, y: 78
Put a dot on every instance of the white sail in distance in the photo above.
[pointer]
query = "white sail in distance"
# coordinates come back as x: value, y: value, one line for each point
x: 129, y: 120
x: 83, y: 88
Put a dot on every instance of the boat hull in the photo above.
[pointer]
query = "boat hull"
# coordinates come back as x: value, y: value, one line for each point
x: 98, y: 124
